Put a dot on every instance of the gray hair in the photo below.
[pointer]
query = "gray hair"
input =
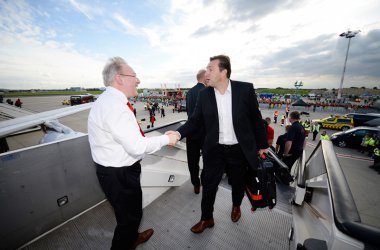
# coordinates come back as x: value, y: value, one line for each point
x: 201, y: 74
x: 111, y: 69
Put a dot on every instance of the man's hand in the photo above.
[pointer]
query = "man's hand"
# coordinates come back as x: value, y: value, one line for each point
x: 262, y: 151
x: 174, y: 137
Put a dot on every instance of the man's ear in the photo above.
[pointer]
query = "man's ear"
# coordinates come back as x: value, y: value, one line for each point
x: 118, y: 80
x: 225, y: 72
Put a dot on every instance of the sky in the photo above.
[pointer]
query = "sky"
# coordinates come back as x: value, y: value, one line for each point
x: 54, y: 44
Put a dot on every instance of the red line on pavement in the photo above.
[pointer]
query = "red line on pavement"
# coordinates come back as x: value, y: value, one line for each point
x: 344, y: 155
x: 354, y: 157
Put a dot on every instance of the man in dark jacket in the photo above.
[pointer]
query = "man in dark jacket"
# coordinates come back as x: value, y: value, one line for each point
x: 234, y: 135
x: 194, y: 142
x: 295, y: 141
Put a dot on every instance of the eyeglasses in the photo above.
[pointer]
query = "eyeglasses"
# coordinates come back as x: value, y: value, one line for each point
x: 128, y: 75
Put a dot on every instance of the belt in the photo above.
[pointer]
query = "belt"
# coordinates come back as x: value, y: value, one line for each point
x: 228, y: 147
x: 104, y: 169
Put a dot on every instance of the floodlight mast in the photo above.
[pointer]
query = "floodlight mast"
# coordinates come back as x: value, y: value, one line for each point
x: 349, y: 34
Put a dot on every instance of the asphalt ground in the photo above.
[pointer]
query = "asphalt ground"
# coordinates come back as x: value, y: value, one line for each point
x: 362, y: 180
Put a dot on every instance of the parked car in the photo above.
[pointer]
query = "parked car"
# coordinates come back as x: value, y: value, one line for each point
x: 369, y: 119
x: 336, y: 122
x: 353, y: 137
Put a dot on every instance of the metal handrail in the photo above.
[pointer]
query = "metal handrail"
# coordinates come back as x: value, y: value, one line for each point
x: 301, y: 169
x: 346, y: 215
x: 278, y: 160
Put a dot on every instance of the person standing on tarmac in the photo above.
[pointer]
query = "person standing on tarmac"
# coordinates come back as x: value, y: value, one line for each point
x: 371, y: 145
x: 315, y: 129
x: 283, y: 120
x: 306, y: 125
x: 152, y: 119
x: 376, y: 158
x: 270, y: 132
x: 364, y: 143
x: 325, y: 136
x: 275, y: 116
x: 162, y: 112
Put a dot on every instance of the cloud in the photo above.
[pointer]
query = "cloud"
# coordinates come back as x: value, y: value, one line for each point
x: 86, y: 10
x: 130, y: 28
x: 271, y: 43
x: 29, y: 60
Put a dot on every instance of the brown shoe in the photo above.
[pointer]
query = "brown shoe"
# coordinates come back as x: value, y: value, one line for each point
x: 235, y: 214
x: 202, y: 225
x: 143, y: 237
x: 197, y: 189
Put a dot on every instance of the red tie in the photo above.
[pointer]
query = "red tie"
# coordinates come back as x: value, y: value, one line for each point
x: 131, y: 108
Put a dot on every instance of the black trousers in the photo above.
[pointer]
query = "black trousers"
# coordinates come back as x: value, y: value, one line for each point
x: 193, y: 151
x: 230, y: 159
x: 314, y: 135
x: 123, y: 190
x: 290, y: 160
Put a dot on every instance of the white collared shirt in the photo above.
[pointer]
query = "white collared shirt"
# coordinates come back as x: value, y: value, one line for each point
x: 114, y: 134
x: 227, y: 134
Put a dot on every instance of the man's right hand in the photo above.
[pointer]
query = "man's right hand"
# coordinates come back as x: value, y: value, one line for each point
x: 174, y: 137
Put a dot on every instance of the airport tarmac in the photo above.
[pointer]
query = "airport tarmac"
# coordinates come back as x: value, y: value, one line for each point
x: 362, y: 180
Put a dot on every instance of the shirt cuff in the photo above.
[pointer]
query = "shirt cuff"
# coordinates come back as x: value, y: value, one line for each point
x: 164, y: 140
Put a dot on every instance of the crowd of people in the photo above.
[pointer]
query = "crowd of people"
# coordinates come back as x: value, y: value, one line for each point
x: 318, y: 106
x: 370, y: 145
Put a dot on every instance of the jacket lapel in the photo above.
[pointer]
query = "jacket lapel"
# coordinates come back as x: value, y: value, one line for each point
x: 235, y: 101
x: 213, y: 106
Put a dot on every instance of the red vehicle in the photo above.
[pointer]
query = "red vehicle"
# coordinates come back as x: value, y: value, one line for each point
x: 80, y: 99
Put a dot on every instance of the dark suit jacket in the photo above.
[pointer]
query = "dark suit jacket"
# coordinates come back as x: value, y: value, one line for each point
x: 246, y: 118
x: 191, y: 100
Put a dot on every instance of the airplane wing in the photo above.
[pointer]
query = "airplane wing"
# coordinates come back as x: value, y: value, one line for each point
x: 28, y: 121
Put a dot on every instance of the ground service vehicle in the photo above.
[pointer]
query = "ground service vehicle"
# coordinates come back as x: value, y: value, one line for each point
x: 80, y: 99
x: 353, y: 137
x: 66, y: 102
x: 336, y: 122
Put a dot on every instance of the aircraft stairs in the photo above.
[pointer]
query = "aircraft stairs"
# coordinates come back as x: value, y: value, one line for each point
x: 171, y: 216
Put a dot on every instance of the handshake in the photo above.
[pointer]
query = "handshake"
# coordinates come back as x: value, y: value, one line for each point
x: 174, y: 137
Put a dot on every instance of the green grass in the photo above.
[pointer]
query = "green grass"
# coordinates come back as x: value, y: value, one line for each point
x: 49, y: 93
x: 279, y: 91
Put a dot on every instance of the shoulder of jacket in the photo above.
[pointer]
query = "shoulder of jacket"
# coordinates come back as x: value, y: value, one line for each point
x: 247, y: 84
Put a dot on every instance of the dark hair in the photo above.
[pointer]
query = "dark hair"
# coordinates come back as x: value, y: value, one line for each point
x: 295, y: 115
x: 224, y: 63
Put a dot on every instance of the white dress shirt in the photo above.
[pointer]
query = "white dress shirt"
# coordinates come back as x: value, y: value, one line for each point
x: 227, y: 134
x: 114, y: 134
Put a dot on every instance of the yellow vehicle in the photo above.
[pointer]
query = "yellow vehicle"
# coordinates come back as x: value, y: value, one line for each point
x: 336, y: 122
x: 66, y: 102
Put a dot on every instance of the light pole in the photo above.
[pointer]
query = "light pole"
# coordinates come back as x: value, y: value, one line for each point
x: 298, y: 84
x: 349, y: 34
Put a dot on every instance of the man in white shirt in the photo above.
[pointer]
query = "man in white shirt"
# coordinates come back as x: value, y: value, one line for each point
x: 117, y: 146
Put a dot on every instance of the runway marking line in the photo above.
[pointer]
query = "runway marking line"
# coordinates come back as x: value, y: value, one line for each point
x: 360, y: 158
